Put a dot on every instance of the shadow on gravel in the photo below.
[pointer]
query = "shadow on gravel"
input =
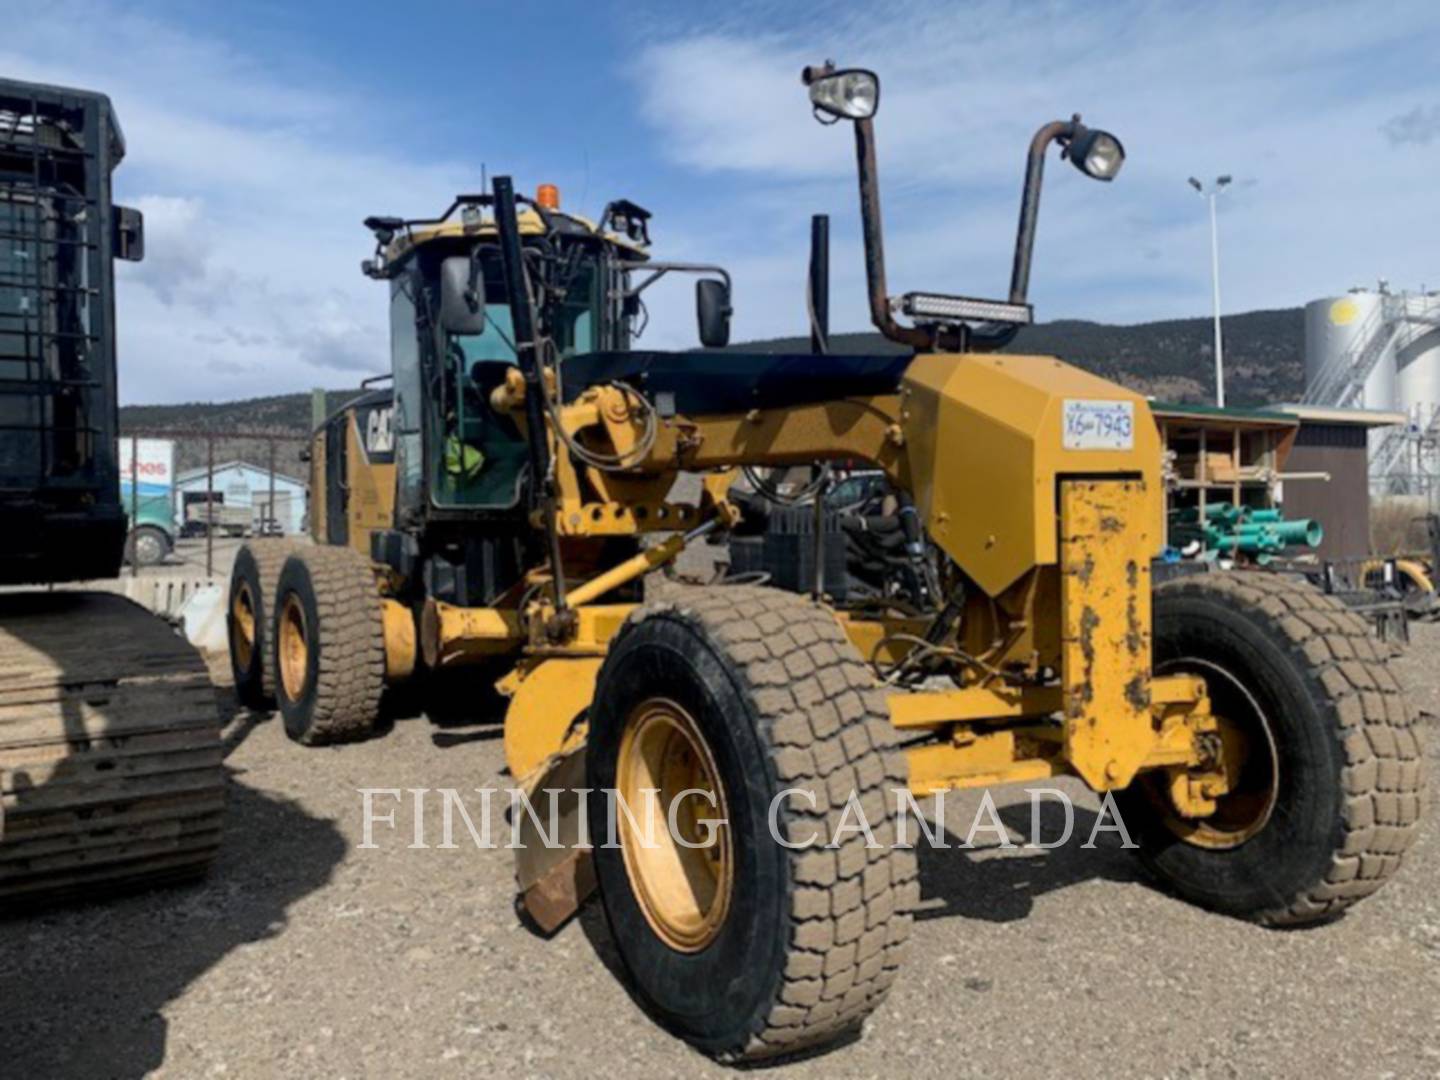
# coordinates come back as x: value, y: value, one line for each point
x: 84, y: 986
x: 444, y: 740
x: 450, y: 701
x: 1003, y: 887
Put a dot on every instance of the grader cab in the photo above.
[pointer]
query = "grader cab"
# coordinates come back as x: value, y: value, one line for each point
x: 506, y: 513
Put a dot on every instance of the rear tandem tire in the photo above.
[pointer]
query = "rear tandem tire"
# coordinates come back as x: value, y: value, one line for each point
x: 1346, y: 771
x: 775, y: 698
x: 328, y: 643
x: 248, y: 618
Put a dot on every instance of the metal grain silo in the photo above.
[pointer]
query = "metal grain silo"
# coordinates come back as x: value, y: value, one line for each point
x: 1417, y: 356
x: 1337, y: 330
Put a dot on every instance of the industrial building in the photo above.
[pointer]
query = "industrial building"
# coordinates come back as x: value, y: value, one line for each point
x: 1380, y: 350
x: 1307, y: 460
x: 1328, y: 473
x: 241, y: 484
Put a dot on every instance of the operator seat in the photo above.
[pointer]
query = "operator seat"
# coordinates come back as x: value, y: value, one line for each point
x: 497, y: 483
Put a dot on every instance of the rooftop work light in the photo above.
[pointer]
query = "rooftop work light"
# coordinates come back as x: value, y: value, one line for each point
x: 942, y: 321
x: 1097, y: 154
x: 851, y: 94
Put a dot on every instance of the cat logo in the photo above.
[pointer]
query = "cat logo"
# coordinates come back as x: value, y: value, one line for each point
x: 379, y: 432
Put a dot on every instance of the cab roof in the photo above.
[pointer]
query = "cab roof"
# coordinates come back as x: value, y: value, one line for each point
x: 475, y: 222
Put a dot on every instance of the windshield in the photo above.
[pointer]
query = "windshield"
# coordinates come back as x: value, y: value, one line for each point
x: 479, y: 455
x: 574, y: 330
x: 494, y: 346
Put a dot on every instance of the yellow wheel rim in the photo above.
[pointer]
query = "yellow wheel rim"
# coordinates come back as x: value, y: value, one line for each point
x: 1248, y: 756
x: 294, y: 648
x: 683, y: 880
x: 242, y: 617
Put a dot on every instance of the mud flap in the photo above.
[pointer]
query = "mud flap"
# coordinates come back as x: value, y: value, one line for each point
x: 554, y: 872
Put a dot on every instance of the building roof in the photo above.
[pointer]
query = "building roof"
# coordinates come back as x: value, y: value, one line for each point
x: 223, y: 466
x: 1212, y: 414
x: 1327, y: 414
x: 1280, y: 415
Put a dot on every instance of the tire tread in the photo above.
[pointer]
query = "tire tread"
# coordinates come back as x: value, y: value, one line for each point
x: 350, y: 672
x: 826, y: 728
x: 269, y: 555
x: 1383, y: 774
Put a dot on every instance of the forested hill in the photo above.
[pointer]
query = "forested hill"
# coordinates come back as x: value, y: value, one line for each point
x: 236, y: 425
x: 286, y: 413
x: 1170, y: 360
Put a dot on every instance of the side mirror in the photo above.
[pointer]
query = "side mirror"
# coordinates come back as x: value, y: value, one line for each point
x: 462, y: 301
x: 712, y: 304
x: 128, y: 234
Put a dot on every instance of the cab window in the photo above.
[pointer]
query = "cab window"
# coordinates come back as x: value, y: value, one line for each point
x: 480, y: 455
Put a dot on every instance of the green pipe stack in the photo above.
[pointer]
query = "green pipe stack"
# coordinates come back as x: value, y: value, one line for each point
x: 1257, y: 533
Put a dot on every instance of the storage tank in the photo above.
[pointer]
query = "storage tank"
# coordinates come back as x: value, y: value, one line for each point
x: 1417, y: 357
x: 1336, y: 328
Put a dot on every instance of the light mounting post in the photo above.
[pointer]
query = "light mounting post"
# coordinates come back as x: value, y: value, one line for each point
x: 954, y: 323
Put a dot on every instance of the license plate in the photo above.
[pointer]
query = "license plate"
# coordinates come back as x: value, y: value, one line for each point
x: 1099, y: 425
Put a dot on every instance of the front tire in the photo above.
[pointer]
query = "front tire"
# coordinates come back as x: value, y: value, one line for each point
x: 329, y: 646
x: 752, y: 693
x: 1330, y: 791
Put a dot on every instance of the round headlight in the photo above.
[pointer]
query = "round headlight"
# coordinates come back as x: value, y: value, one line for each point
x: 1097, y: 154
x: 853, y: 94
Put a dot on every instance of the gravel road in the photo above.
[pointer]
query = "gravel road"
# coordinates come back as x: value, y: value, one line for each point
x: 305, y: 955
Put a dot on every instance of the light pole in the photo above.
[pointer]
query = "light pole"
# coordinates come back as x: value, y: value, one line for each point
x: 1209, y: 196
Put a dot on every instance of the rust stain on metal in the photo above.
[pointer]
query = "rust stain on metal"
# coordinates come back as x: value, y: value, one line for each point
x: 1089, y: 623
x: 1109, y: 523
x: 1134, y: 631
x: 1137, y: 692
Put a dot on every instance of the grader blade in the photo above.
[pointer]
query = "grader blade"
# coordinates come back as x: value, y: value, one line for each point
x: 553, y: 870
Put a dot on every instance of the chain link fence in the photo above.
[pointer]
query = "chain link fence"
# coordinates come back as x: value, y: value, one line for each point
x: 193, y: 497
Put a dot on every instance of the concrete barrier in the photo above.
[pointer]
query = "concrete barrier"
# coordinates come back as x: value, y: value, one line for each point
x: 164, y: 594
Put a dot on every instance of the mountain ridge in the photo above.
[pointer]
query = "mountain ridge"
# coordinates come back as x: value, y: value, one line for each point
x: 1170, y: 359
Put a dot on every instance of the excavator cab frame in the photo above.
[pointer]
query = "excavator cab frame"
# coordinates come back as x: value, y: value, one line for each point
x: 59, y: 235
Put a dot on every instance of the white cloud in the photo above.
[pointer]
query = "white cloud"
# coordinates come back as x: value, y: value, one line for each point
x: 254, y: 179
x: 179, y: 247
x: 254, y: 171
x: 1291, y: 99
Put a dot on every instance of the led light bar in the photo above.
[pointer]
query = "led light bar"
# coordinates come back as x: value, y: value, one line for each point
x: 965, y: 309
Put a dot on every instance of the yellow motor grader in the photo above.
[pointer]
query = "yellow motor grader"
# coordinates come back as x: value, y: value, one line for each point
x: 500, y: 507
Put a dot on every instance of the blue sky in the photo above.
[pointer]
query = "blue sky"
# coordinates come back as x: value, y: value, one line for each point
x: 261, y: 133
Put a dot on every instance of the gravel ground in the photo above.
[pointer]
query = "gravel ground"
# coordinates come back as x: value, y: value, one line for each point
x: 304, y: 955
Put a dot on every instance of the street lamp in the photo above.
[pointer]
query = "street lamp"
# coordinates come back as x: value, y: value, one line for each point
x: 1209, y: 196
